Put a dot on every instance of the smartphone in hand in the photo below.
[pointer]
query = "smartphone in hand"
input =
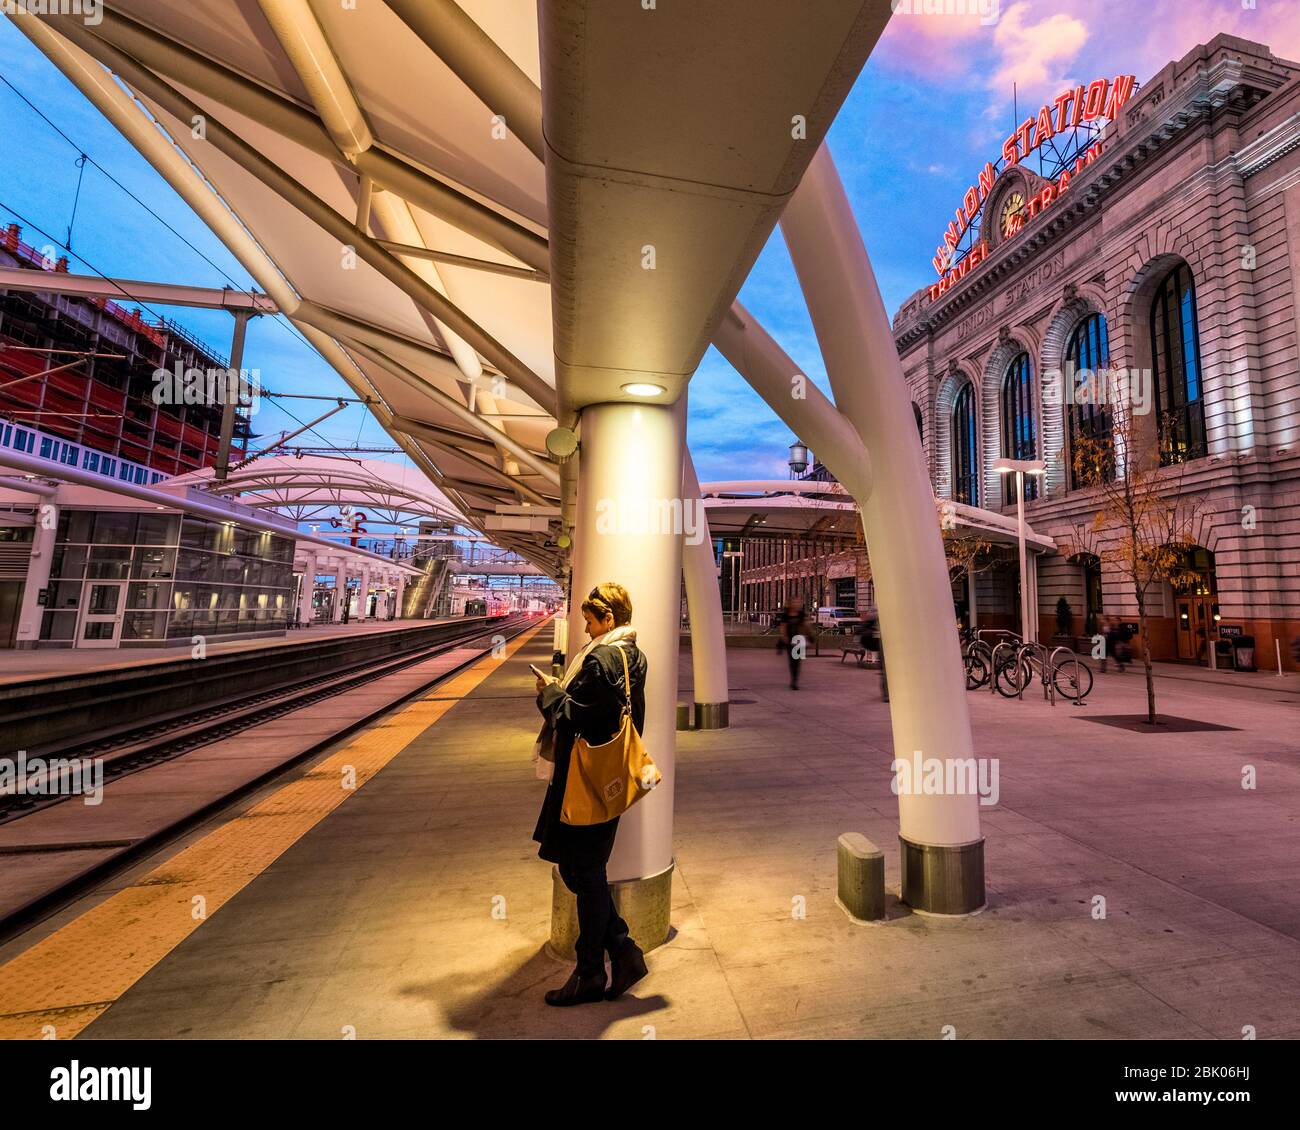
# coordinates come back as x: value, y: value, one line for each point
x: 540, y: 674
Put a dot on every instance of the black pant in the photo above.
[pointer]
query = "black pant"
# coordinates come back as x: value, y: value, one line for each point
x: 794, y: 668
x: 600, y: 928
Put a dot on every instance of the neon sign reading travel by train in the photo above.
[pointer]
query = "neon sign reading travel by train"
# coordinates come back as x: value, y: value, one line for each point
x: 1077, y: 106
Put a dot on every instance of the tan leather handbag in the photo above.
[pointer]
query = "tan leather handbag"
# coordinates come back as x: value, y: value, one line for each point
x: 606, y: 780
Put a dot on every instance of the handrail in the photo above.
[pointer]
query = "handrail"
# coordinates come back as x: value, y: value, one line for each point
x: 982, y: 632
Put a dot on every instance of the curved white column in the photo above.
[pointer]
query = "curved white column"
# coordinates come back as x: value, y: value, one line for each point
x: 629, y: 487
x: 704, y: 603
x: 914, y: 596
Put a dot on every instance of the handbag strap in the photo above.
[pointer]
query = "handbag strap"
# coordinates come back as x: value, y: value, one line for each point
x: 627, y: 679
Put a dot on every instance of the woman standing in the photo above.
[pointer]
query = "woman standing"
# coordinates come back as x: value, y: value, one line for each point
x: 588, y: 703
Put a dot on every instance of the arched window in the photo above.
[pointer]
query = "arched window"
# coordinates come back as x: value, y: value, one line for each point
x: 1019, y: 435
x: 920, y: 427
x: 1088, y: 412
x: 1176, y: 360
x: 965, y: 476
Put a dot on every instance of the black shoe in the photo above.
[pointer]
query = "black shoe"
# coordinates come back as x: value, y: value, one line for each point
x: 578, y: 990
x: 627, y: 967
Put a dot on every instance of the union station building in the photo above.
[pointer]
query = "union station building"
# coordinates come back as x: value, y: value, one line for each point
x: 1171, y: 251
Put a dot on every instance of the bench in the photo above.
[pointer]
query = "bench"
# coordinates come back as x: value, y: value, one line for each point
x: 853, y: 649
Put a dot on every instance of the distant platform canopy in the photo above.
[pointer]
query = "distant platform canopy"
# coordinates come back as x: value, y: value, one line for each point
x: 798, y: 508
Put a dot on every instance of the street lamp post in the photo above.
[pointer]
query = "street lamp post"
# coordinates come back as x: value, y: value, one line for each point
x: 1022, y: 467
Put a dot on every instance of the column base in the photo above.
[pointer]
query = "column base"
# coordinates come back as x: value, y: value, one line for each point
x: 711, y: 715
x: 942, y: 879
x: 643, y: 903
x: 684, y: 716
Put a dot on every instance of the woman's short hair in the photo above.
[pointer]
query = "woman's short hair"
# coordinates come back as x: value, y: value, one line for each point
x: 609, y: 598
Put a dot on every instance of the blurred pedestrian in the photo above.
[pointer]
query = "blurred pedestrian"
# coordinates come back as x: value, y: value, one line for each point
x: 873, y: 643
x: 794, y: 637
x: 1122, y: 636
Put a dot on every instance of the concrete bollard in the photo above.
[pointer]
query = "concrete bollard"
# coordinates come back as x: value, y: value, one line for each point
x: 861, y: 892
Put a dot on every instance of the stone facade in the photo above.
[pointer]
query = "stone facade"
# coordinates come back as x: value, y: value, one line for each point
x: 1201, y: 167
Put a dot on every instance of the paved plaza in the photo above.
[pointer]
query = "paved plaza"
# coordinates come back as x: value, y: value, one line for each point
x: 380, y: 918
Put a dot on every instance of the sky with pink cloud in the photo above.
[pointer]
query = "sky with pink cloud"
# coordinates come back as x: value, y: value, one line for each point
x: 935, y: 102
x: 932, y: 105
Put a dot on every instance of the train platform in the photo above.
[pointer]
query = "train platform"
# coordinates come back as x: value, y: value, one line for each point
x: 1135, y: 889
x: 43, y: 663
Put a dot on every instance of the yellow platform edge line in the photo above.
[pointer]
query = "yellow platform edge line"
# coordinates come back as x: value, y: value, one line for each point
x: 63, y: 983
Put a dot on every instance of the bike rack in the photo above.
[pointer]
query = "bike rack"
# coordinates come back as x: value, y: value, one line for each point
x: 993, y: 669
x: 1078, y: 698
x: 1025, y: 652
x: 1029, y: 649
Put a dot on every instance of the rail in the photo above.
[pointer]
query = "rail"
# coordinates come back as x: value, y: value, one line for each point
x: 128, y: 749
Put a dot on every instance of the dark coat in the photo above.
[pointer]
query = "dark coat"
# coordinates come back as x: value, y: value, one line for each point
x: 592, y: 707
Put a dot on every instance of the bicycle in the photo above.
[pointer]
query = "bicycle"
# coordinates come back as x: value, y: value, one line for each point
x: 1069, y: 677
x: 977, y: 655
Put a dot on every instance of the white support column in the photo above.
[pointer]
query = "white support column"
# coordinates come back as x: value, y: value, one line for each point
x: 38, y: 575
x: 308, y: 585
x: 399, y: 598
x: 631, y: 467
x: 363, y: 595
x: 972, y: 596
x: 340, y: 590
x: 942, y: 849
x: 704, y: 602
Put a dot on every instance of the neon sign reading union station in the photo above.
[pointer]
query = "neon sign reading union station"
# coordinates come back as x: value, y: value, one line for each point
x: 1072, y: 108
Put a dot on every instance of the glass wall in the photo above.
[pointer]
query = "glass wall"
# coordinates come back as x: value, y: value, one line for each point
x: 183, y: 576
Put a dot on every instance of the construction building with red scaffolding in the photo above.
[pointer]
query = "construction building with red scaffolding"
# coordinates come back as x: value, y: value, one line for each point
x: 82, y: 369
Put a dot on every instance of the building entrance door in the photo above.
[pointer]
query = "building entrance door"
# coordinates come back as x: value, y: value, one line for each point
x: 102, y: 606
x: 1196, y: 609
x: 1198, y: 618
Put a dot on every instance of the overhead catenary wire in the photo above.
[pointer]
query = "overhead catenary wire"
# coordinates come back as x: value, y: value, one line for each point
x: 279, y: 318
x: 83, y: 159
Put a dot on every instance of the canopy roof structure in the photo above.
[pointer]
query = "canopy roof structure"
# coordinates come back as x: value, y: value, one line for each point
x: 795, y: 508
x: 382, y: 172
x: 311, y: 486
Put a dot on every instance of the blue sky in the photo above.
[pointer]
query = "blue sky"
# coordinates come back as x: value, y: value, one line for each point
x: 933, y: 103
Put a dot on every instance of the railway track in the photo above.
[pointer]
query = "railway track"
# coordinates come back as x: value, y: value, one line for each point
x: 135, y: 748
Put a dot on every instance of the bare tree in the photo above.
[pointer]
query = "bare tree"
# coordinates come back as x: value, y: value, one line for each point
x: 1144, y: 524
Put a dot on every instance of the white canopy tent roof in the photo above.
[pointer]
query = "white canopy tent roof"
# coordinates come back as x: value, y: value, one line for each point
x: 800, y: 508
x: 311, y: 486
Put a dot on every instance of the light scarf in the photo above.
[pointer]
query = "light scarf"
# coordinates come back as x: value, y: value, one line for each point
x: 626, y: 632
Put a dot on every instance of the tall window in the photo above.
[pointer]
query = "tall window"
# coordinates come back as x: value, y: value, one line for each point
x: 920, y: 427
x: 1176, y: 359
x: 1019, y: 436
x: 965, y: 476
x: 1088, y: 412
